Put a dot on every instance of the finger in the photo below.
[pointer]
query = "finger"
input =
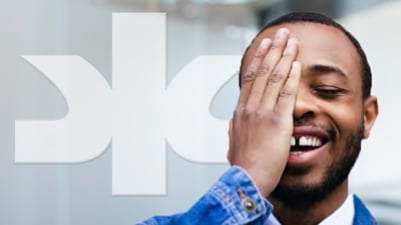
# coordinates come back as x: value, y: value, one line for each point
x: 286, y: 101
x: 280, y: 74
x: 248, y: 77
x: 230, y: 127
x: 229, y: 152
x: 267, y: 67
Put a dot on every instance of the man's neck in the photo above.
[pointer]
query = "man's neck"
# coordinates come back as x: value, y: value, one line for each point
x: 314, y: 213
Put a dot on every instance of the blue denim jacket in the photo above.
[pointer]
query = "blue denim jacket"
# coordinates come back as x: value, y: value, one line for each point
x: 234, y: 199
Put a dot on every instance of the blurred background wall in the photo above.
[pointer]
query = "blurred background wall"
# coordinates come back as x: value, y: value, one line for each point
x: 80, y: 194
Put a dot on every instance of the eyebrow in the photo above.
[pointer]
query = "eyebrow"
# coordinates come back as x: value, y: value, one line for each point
x: 319, y: 68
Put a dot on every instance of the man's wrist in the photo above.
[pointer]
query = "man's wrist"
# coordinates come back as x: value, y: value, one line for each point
x: 241, y: 196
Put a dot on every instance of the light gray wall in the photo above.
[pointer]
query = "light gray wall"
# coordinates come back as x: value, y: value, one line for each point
x: 81, y: 193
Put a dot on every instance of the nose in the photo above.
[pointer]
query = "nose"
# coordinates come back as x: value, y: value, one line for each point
x: 305, y: 106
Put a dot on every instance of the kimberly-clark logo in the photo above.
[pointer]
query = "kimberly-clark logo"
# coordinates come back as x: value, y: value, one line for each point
x: 139, y: 114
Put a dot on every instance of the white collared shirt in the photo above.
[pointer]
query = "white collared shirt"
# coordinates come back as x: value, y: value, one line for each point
x: 344, y: 215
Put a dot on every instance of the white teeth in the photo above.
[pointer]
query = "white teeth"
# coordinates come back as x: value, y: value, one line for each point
x: 296, y: 152
x: 303, y: 141
x: 293, y: 143
x: 309, y: 141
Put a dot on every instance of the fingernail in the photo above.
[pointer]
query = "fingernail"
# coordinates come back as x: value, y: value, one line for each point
x: 265, y: 43
x: 292, y: 42
x: 296, y: 66
x: 281, y: 33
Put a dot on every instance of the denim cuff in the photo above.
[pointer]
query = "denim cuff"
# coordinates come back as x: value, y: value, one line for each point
x: 241, y: 198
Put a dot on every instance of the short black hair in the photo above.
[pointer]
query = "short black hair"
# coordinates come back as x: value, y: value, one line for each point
x: 311, y: 17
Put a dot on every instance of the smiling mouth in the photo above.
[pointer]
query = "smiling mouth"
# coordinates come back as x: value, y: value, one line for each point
x: 306, y: 143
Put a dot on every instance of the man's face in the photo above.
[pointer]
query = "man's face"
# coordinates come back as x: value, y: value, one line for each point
x: 328, y: 114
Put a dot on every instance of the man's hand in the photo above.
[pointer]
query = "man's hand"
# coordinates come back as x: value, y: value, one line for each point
x: 262, y: 125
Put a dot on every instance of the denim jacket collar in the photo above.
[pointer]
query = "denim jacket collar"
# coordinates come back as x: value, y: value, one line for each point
x: 362, y: 215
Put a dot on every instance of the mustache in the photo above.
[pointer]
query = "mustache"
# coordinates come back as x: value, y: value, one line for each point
x: 308, y: 122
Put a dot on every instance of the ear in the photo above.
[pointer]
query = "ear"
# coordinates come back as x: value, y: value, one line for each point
x: 370, y: 113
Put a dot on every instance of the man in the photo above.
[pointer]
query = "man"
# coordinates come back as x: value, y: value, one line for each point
x: 304, y: 107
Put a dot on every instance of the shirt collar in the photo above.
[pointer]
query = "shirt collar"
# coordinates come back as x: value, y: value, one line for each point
x: 343, y: 215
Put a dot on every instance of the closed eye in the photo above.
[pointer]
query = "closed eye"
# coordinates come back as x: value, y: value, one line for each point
x: 328, y: 92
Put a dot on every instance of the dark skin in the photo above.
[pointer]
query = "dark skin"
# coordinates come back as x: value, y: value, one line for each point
x: 290, y: 75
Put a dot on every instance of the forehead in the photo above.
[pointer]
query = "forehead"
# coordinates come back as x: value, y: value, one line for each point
x: 319, y: 44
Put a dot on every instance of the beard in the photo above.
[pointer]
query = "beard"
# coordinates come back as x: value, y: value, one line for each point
x: 299, y: 195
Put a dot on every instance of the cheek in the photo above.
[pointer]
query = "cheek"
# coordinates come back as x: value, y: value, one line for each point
x: 346, y: 117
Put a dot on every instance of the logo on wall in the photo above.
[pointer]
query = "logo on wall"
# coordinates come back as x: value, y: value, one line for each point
x: 138, y: 115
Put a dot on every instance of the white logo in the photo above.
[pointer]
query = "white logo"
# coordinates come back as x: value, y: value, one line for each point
x: 139, y: 114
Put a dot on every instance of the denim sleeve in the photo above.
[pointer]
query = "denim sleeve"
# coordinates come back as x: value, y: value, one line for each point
x: 234, y: 199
